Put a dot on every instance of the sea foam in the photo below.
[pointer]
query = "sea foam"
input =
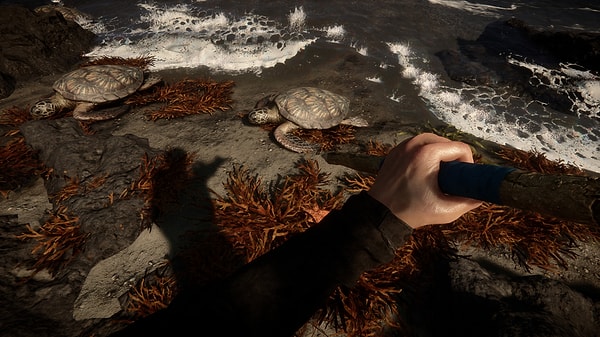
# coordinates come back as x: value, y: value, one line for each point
x: 179, y: 38
x: 473, y: 8
x: 495, y: 115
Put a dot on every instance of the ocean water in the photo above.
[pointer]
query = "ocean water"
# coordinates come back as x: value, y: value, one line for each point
x: 246, y: 37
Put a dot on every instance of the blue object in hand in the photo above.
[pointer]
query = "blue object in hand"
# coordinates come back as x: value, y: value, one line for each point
x: 475, y: 181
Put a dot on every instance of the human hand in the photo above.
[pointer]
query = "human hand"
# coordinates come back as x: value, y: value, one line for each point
x: 407, y: 183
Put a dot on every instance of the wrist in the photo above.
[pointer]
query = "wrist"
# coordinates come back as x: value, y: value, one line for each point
x: 404, y: 215
x: 412, y: 220
x: 392, y: 230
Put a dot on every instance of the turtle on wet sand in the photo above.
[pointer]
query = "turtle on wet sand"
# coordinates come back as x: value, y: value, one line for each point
x: 306, y: 108
x: 85, y: 88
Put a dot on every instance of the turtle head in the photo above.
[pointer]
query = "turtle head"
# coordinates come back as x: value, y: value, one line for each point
x: 259, y: 116
x: 43, y: 109
x: 265, y: 111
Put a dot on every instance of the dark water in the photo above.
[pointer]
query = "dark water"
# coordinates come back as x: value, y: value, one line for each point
x: 401, y: 38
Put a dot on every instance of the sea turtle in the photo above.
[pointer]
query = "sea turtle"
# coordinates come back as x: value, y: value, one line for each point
x: 68, y: 13
x: 304, y: 107
x: 85, y: 88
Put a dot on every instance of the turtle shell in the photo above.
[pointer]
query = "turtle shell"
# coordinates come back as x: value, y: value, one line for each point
x: 313, y: 108
x: 101, y: 83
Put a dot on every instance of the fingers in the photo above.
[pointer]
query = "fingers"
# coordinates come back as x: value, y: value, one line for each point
x: 456, y: 151
x: 410, y: 146
x: 443, y: 148
x: 428, y: 138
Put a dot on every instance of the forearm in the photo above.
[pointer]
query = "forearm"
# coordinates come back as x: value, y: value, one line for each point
x: 283, y: 288
x: 275, y: 294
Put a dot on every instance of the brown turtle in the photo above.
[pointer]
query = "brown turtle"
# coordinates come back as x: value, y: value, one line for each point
x: 85, y: 88
x: 69, y: 13
x: 304, y: 107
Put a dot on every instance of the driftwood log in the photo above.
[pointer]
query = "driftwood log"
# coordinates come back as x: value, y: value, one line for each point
x: 569, y: 197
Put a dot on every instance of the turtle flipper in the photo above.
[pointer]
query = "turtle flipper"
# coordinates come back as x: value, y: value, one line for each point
x: 81, y: 111
x: 355, y: 121
x: 150, y: 82
x: 84, y: 112
x: 283, y: 135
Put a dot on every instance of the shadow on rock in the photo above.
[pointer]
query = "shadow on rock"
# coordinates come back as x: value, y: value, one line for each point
x: 135, y: 227
x: 183, y: 245
x: 468, y: 297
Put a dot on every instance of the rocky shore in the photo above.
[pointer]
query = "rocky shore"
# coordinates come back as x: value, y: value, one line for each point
x: 479, y: 292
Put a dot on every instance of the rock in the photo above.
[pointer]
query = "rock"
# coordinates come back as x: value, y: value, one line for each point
x: 477, y: 298
x: 578, y: 47
x: 7, y: 85
x: 118, y: 251
x: 524, y: 305
x: 28, y: 204
x: 113, y: 277
x: 33, y: 45
x: 17, y: 300
x: 485, y: 61
x: 461, y: 69
x: 72, y: 154
x: 46, y: 301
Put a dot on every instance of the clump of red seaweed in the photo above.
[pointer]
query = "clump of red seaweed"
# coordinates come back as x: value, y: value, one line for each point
x: 186, y: 97
x: 19, y: 165
x: 143, y: 62
x: 328, y: 139
x: 256, y: 219
x: 150, y: 295
x: 59, y: 240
